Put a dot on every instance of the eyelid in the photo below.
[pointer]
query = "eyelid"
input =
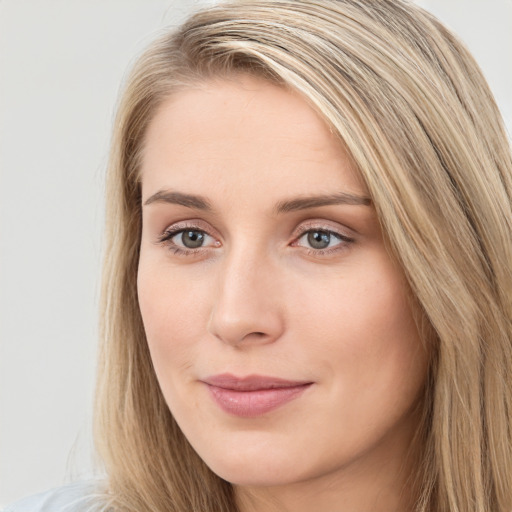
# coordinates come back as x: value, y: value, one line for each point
x: 344, y: 240
x: 323, y: 225
x: 192, y: 224
x: 342, y: 233
x: 169, y: 235
x: 176, y: 228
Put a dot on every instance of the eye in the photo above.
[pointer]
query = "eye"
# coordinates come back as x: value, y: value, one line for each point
x: 190, y: 238
x: 187, y: 240
x: 320, y: 241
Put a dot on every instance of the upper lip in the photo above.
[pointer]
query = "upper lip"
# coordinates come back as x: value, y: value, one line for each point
x: 251, y: 382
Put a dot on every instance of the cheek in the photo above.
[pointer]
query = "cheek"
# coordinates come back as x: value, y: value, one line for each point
x: 173, y: 313
x: 363, y: 322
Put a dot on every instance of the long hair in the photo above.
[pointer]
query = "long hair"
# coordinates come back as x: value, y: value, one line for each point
x: 411, y: 106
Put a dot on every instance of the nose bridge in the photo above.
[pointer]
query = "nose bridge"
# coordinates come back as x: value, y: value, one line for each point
x: 246, y: 307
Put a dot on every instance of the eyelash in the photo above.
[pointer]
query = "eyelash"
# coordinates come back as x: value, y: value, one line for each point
x: 169, y: 234
x: 344, y: 240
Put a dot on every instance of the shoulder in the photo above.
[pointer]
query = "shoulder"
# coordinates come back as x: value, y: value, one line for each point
x: 85, y: 496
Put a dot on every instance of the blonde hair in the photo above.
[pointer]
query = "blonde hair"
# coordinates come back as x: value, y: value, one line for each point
x: 413, y: 109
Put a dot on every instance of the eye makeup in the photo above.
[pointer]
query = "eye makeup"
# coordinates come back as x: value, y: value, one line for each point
x: 316, y: 238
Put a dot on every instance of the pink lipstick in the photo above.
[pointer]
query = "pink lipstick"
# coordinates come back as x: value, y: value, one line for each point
x: 252, y: 395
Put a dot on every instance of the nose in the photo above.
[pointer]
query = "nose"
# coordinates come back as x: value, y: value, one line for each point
x: 246, y: 309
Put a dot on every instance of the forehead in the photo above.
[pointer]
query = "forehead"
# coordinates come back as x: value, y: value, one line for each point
x: 242, y: 134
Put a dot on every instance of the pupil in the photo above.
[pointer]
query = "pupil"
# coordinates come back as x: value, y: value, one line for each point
x: 192, y: 239
x: 319, y: 239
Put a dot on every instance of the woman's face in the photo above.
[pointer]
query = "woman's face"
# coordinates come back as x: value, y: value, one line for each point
x: 278, y: 325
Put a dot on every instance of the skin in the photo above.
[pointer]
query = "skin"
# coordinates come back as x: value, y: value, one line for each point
x: 257, y: 298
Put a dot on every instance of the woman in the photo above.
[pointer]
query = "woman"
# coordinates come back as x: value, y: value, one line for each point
x: 307, y: 290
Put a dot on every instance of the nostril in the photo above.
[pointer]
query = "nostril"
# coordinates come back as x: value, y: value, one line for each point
x: 255, y: 335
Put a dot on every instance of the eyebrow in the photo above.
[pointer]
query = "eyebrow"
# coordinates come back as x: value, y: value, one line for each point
x: 301, y: 203
x: 188, y: 200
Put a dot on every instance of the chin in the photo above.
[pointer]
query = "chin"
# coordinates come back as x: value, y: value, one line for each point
x: 256, y: 475
x: 260, y: 466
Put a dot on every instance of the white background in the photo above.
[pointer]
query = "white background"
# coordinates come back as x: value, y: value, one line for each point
x: 61, y: 63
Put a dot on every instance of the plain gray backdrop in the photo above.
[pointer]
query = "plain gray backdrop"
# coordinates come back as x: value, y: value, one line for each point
x: 61, y: 65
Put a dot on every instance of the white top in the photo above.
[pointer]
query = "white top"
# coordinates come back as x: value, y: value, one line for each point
x: 85, y: 496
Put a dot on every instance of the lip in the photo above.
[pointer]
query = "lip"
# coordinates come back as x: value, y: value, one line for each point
x: 252, y: 395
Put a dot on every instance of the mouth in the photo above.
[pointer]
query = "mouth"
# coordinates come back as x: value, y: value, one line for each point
x: 253, y: 395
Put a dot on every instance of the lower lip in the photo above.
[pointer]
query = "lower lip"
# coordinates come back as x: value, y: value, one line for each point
x: 248, y: 404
